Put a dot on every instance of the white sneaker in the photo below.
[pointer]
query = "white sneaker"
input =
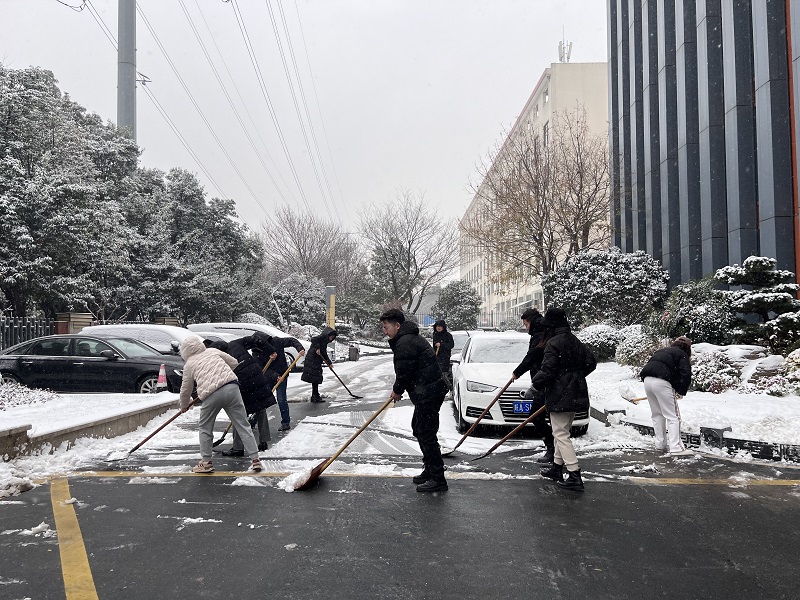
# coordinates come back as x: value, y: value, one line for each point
x: 684, y: 452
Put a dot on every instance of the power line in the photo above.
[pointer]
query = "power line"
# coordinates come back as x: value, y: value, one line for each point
x: 264, y: 92
x: 319, y: 109
x: 197, y: 107
x: 230, y: 102
x: 296, y: 105
x: 241, y: 99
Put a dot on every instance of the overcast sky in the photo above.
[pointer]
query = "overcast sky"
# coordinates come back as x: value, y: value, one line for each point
x: 403, y: 94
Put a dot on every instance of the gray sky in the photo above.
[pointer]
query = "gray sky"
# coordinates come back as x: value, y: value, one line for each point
x: 406, y: 94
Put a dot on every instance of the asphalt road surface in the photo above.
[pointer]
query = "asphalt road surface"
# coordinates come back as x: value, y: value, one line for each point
x: 646, y: 526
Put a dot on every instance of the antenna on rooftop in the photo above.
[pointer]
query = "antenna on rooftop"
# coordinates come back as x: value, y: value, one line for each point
x: 564, y: 49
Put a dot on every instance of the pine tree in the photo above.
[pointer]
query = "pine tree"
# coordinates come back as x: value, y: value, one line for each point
x: 766, y: 305
x: 459, y: 305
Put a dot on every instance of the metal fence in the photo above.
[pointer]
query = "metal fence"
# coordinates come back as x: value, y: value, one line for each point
x: 17, y: 330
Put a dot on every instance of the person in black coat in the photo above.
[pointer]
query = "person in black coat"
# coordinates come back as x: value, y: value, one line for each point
x: 531, y: 318
x: 256, y: 392
x: 317, y: 356
x: 417, y: 373
x: 562, y: 376
x: 443, y: 344
x: 266, y: 346
x: 666, y: 375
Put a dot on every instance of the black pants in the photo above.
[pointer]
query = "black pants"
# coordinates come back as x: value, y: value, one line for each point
x: 540, y: 423
x: 425, y: 426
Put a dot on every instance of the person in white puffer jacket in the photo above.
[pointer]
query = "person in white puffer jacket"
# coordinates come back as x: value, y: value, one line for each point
x: 218, y: 389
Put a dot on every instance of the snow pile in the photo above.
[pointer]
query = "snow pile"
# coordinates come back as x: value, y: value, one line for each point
x: 295, y: 481
x: 13, y: 395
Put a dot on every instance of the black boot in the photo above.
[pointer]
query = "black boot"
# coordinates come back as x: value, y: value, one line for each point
x: 547, y: 458
x: 554, y: 472
x: 436, y: 483
x: 316, y: 398
x: 422, y: 477
x: 573, y: 481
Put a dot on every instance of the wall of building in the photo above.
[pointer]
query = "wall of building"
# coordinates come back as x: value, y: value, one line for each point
x: 702, y: 121
x: 560, y: 88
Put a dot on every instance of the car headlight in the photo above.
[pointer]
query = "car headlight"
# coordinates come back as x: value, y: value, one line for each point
x: 474, y: 386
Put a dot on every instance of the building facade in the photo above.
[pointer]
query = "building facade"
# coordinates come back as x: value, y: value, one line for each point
x: 560, y: 89
x: 703, y: 118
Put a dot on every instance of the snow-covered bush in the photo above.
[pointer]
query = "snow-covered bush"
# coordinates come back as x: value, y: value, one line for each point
x: 253, y: 318
x: 714, y: 372
x: 697, y: 310
x: 615, y: 287
x: 792, y: 366
x: 13, y: 394
x: 601, y: 339
x: 767, y: 307
x: 774, y: 385
x: 636, y: 346
x: 303, y: 332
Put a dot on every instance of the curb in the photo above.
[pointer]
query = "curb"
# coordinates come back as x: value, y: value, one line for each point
x: 714, y: 437
x: 16, y: 442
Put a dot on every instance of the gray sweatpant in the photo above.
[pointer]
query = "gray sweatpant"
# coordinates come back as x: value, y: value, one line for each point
x: 229, y: 399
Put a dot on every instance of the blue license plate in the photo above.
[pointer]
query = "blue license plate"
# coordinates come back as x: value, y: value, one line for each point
x: 522, y: 407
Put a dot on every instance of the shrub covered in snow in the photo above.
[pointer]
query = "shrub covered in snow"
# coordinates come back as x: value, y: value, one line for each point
x: 601, y: 339
x: 792, y: 366
x: 714, y: 372
x: 768, y: 310
x: 303, y: 332
x: 13, y: 394
x: 697, y: 310
x: 636, y: 347
x: 607, y: 286
x: 774, y: 385
x: 253, y: 318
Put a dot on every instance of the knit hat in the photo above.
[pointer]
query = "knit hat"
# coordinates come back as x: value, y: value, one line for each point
x: 555, y: 317
x: 684, y: 343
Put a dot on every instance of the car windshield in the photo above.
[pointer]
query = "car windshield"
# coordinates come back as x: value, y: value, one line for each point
x: 498, y: 350
x: 459, y: 339
x: 133, y: 348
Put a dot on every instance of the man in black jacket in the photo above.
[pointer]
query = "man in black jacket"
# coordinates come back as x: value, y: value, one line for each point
x: 443, y: 345
x: 265, y: 346
x: 417, y: 372
x: 531, y: 318
x: 317, y: 356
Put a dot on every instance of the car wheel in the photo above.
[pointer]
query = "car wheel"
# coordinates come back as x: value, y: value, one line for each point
x: 578, y: 431
x: 290, y: 360
x: 461, y: 424
x: 8, y: 378
x: 147, y: 384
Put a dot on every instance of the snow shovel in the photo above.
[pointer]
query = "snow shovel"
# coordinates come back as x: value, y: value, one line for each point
x: 444, y: 376
x: 140, y: 444
x: 330, y: 366
x: 635, y: 400
x: 264, y: 370
x: 478, y: 420
x: 513, y: 431
x: 317, y: 471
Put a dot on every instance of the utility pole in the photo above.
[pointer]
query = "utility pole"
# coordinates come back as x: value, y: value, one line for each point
x: 126, y: 67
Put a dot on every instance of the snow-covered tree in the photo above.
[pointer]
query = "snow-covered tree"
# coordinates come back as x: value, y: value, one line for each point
x: 697, y: 310
x: 458, y: 304
x: 607, y: 286
x: 300, y: 298
x: 767, y: 307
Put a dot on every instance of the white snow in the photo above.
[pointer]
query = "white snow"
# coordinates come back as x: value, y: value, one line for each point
x: 386, y: 442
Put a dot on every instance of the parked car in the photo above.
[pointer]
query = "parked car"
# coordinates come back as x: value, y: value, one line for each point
x: 243, y: 329
x: 164, y: 338
x: 84, y: 363
x: 484, y: 366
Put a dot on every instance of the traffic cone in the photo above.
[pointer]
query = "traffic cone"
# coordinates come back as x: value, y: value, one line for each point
x: 161, y: 385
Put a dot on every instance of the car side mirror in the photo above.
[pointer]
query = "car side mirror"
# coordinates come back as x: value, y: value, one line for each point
x: 109, y: 354
x: 455, y: 361
x: 175, y: 345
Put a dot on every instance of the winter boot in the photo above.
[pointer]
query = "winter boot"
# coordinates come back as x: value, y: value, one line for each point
x: 436, y: 483
x: 263, y: 446
x: 284, y: 427
x: 573, y: 482
x: 422, y: 477
x: 554, y: 472
x: 547, y: 457
x: 316, y: 398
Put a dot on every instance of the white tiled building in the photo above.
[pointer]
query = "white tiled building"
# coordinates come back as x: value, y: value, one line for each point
x: 560, y: 88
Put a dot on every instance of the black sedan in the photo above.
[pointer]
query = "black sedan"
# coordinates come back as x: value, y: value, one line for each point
x: 83, y: 363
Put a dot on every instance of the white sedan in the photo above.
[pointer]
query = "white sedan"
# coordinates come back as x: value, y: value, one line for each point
x: 484, y: 367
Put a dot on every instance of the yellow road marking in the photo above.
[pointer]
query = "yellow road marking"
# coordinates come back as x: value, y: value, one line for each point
x: 78, y: 581
x: 734, y: 482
